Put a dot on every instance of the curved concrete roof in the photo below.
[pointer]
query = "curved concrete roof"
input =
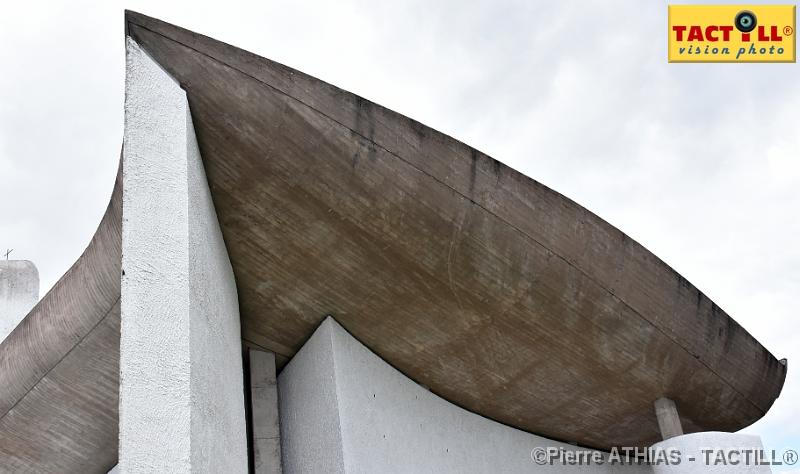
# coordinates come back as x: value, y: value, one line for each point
x: 497, y: 293
x: 59, y: 368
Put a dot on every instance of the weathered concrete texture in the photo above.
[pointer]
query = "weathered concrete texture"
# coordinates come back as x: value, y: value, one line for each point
x: 724, y: 444
x: 467, y: 276
x: 344, y: 410
x: 265, y: 413
x: 19, y: 291
x: 669, y: 421
x: 59, y: 369
x: 181, y: 379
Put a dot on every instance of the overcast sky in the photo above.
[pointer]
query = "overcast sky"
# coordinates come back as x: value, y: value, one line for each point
x: 699, y: 163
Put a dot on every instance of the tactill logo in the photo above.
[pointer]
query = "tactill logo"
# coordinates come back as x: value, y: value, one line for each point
x: 731, y: 33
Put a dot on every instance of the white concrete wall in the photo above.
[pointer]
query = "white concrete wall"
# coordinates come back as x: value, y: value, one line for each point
x: 730, y: 446
x: 343, y: 409
x: 311, y: 433
x: 181, y: 376
x: 19, y: 292
x: 219, y: 430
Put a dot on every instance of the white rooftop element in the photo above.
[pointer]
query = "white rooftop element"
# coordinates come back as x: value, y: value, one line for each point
x: 345, y: 410
x: 19, y: 292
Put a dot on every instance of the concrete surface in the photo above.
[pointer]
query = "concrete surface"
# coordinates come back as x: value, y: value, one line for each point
x: 264, y: 413
x: 59, y: 369
x: 716, y: 444
x: 181, y: 375
x: 19, y: 291
x: 467, y: 276
x: 344, y: 410
x: 669, y: 421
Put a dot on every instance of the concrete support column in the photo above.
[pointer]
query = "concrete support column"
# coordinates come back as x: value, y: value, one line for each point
x: 668, y: 420
x: 181, y: 406
x: 265, y: 414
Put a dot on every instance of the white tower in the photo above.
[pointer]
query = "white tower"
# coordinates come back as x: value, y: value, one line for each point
x: 19, y: 292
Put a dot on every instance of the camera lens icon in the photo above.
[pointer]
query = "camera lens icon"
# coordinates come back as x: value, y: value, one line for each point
x: 745, y: 21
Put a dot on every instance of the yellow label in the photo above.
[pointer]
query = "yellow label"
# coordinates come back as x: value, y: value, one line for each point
x: 731, y: 33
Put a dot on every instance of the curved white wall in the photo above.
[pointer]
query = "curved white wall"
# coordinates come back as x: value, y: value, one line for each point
x: 343, y: 409
x: 712, y: 451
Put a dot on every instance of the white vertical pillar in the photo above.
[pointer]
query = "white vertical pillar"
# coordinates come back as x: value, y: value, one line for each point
x: 19, y: 292
x: 181, y: 375
x: 265, y: 414
x: 669, y: 422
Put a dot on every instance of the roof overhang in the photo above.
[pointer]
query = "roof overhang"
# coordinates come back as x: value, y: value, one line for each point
x: 494, y: 291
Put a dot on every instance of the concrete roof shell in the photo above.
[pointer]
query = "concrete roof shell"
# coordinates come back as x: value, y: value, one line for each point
x: 496, y: 292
